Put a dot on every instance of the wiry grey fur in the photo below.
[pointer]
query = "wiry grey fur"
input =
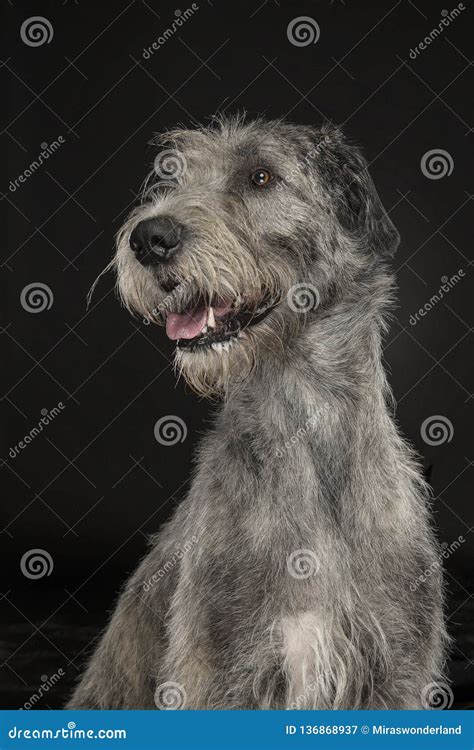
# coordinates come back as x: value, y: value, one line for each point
x: 304, y: 464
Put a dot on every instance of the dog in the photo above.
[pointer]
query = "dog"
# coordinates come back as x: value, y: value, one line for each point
x: 289, y: 577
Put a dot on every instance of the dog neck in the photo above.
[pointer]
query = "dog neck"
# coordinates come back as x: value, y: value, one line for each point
x: 312, y: 434
x: 335, y: 362
x: 328, y: 398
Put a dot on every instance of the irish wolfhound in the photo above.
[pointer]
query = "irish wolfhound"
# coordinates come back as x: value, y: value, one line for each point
x: 292, y: 573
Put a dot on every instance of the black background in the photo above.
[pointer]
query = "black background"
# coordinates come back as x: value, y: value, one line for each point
x: 91, y: 487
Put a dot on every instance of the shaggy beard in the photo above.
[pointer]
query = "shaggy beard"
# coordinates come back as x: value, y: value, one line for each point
x: 215, y: 262
x: 211, y: 374
x: 218, y: 265
x: 220, y: 375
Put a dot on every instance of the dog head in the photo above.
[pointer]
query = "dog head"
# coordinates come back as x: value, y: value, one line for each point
x: 246, y: 233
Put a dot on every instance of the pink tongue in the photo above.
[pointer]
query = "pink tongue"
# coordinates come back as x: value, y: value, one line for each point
x: 186, y: 325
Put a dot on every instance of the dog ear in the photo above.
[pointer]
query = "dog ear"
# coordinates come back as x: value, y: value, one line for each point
x: 357, y: 203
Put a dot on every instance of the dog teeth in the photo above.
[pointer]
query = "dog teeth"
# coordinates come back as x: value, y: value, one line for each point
x: 211, y: 321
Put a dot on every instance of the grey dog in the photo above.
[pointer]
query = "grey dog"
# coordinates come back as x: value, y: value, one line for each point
x: 291, y: 575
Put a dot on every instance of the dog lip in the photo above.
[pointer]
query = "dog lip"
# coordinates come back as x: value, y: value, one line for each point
x: 207, y: 339
x: 232, y: 325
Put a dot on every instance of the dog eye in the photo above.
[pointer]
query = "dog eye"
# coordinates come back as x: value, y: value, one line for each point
x: 261, y: 177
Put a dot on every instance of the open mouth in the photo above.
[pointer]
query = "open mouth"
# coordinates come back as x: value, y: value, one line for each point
x: 217, y: 325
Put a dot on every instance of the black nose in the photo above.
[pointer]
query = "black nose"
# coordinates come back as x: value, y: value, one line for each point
x: 156, y: 240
